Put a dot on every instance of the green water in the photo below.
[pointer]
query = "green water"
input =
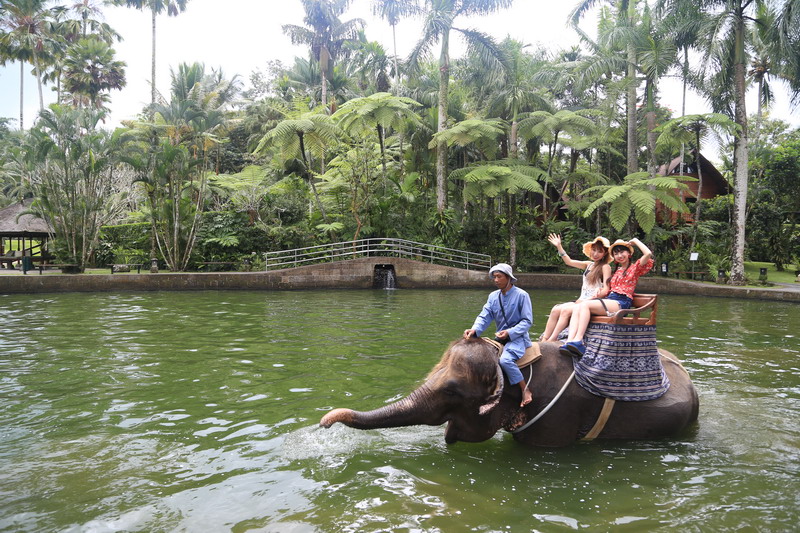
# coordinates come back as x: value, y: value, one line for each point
x: 198, y: 412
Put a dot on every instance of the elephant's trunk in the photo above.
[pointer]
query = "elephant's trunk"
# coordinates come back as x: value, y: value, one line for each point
x: 412, y: 410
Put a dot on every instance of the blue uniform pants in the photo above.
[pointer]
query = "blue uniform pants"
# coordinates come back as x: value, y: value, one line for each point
x: 508, y: 360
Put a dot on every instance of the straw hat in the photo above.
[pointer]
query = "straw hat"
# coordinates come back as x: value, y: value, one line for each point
x: 620, y: 242
x: 587, y: 248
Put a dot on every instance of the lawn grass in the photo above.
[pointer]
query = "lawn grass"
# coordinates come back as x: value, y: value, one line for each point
x: 752, y: 271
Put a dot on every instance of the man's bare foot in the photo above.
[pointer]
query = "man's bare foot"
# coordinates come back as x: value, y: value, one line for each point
x: 527, y: 397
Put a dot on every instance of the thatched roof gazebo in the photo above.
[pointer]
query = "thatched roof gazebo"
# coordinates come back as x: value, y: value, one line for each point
x: 30, y: 231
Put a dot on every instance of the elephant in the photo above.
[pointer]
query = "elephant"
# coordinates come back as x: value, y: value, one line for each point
x: 466, y: 390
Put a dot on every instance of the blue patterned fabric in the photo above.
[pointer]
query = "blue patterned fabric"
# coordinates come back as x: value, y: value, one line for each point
x: 621, y: 362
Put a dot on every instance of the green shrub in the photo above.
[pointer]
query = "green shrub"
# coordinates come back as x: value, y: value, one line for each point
x: 122, y: 243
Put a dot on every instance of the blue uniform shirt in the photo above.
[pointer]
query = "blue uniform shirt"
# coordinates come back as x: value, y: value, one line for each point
x: 518, y: 317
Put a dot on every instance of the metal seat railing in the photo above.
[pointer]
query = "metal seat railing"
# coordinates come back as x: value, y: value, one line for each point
x: 375, y: 247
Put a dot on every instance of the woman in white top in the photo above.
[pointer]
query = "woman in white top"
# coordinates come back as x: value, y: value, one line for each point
x: 596, y: 274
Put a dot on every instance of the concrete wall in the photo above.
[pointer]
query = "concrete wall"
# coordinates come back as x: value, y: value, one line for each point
x: 353, y: 274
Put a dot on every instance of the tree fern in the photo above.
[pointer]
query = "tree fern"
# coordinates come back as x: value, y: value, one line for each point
x: 498, y: 177
x: 637, y: 196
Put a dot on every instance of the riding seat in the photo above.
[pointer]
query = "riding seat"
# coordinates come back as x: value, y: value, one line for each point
x: 646, y: 304
x: 532, y: 354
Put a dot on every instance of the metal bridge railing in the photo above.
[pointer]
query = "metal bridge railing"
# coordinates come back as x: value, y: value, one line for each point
x: 376, y: 247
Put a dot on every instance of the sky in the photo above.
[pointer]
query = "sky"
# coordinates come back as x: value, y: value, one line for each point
x: 240, y: 36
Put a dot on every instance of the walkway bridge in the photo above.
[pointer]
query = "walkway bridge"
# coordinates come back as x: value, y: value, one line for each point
x: 385, y: 262
x: 377, y: 247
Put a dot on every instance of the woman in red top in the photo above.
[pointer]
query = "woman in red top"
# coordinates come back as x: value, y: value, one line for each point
x: 623, y: 284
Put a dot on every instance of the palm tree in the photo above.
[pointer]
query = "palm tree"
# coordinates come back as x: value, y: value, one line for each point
x: 493, y: 178
x: 591, y: 81
x: 176, y: 203
x: 69, y: 30
x: 380, y: 112
x: 625, y: 31
x: 325, y: 33
x: 727, y: 30
x: 20, y: 165
x: 369, y: 63
x: 393, y: 11
x: 657, y: 54
x: 515, y: 92
x: 302, y: 79
x: 74, y: 184
x: 156, y: 7
x: 91, y: 71
x: 554, y: 129
x: 761, y: 70
x: 766, y: 63
x: 171, y: 157
x: 440, y: 17
x: 141, y: 152
x: 786, y: 34
x: 26, y: 35
x: 89, y: 18
x: 302, y: 133
x: 683, y: 26
x: 199, y: 110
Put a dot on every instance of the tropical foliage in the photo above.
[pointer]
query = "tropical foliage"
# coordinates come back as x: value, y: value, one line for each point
x: 487, y: 152
x: 73, y: 178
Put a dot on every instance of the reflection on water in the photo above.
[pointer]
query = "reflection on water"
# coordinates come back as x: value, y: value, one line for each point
x: 198, y: 412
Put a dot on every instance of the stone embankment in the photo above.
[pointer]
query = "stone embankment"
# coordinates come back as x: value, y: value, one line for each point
x: 356, y: 274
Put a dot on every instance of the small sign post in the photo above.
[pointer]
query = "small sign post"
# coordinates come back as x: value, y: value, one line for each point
x: 693, y: 258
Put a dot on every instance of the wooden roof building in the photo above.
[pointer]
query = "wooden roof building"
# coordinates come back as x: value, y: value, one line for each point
x: 714, y: 183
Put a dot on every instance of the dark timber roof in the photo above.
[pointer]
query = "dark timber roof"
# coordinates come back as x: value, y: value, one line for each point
x: 710, y: 172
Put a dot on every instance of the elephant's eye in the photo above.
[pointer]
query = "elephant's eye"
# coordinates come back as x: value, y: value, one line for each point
x: 452, y: 389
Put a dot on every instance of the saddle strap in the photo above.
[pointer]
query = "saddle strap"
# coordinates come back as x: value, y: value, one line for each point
x: 605, y: 413
x: 493, y: 343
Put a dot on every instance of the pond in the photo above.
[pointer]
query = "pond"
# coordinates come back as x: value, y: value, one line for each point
x: 198, y: 411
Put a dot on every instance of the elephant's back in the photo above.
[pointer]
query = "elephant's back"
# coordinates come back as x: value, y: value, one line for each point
x: 577, y: 410
x: 682, y: 389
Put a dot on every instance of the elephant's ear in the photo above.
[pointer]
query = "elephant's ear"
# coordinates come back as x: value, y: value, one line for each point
x: 494, y: 398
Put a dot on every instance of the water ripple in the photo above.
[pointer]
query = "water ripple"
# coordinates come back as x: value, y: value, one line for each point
x: 198, y: 412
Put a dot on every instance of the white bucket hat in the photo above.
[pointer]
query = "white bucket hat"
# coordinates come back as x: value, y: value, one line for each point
x: 505, y: 269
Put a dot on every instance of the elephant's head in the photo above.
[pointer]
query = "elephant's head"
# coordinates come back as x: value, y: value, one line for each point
x: 463, y: 390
